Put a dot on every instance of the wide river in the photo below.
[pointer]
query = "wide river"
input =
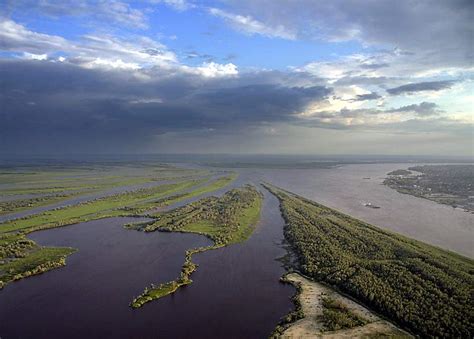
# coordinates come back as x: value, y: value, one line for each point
x: 345, y: 189
x: 236, y: 291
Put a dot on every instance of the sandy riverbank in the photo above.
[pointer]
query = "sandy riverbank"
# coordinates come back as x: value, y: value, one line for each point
x: 311, y: 325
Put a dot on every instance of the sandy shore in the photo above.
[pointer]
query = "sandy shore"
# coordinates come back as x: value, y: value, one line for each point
x: 311, y: 326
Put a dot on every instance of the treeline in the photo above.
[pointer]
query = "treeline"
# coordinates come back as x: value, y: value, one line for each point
x: 423, y: 288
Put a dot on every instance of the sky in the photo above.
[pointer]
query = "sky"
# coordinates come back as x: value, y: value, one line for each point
x: 237, y: 76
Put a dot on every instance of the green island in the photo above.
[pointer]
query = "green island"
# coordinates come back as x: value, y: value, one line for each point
x: 225, y: 220
x: 400, y: 172
x: 21, y: 257
x: 422, y: 288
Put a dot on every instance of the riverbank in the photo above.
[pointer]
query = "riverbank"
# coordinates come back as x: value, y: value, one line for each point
x: 422, y: 288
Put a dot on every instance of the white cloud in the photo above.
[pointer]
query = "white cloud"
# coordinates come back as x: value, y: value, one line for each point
x: 90, y: 51
x: 104, y: 51
x: 146, y: 101
x: 121, y: 13
x: 179, y: 5
x: 249, y: 25
x: 16, y: 37
x: 213, y: 70
x: 111, y: 64
x: 31, y: 56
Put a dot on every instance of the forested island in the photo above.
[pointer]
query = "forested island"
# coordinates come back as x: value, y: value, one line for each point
x: 422, y: 288
x: 446, y: 184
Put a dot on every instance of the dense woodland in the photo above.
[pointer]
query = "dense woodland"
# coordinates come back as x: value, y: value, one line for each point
x: 422, y: 288
x: 336, y: 316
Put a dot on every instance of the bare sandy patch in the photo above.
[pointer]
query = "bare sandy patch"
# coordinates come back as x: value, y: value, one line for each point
x: 311, y: 326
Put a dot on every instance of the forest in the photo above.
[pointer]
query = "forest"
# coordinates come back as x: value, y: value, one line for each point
x: 422, y: 288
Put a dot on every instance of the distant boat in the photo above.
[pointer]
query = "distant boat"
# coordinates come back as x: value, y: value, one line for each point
x: 370, y: 205
x: 366, y: 178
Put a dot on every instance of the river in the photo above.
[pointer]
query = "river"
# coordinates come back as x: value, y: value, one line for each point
x: 236, y: 291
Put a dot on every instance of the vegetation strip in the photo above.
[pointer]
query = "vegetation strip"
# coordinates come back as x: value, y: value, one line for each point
x: 21, y: 257
x: 211, y: 187
x: 226, y: 220
x: 422, y: 288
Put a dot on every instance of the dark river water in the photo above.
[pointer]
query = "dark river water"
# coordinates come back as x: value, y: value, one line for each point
x: 236, y: 291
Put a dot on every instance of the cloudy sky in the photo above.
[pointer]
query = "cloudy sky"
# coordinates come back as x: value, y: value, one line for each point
x: 243, y: 76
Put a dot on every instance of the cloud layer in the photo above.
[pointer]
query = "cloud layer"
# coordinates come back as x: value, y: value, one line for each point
x: 117, y: 85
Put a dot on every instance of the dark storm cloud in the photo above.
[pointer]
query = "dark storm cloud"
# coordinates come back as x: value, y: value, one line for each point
x: 369, y: 96
x: 421, y: 86
x: 362, y: 80
x: 421, y: 109
x: 43, y: 101
x: 439, y: 30
x: 374, y: 66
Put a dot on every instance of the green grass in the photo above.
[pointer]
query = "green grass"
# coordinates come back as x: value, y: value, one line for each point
x: 40, y: 260
x: 247, y: 220
x: 213, y: 186
x: 204, y: 227
x: 96, y: 209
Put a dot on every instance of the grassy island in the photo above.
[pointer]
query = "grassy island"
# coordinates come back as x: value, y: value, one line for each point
x: 226, y: 220
x: 21, y: 257
x: 422, y: 288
